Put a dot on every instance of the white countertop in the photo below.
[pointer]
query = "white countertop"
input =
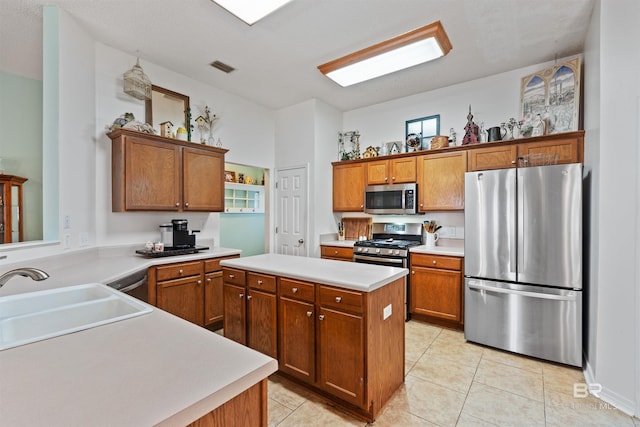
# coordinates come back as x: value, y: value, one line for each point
x: 339, y: 243
x: 349, y: 275
x: 148, y: 370
x: 98, y: 264
x: 457, y: 250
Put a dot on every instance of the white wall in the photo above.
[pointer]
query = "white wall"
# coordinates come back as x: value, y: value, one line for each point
x: 618, y: 321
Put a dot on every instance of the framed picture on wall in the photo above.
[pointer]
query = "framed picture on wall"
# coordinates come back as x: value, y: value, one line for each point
x: 229, y: 176
x: 554, y: 95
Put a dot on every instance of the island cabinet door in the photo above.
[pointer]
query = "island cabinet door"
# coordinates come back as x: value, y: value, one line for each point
x: 342, y: 355
x: 235, y: 313
x: 261, y: 323
x: 297, y: 339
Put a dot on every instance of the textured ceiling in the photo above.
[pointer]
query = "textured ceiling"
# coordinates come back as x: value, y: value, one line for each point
x: 276, y: 58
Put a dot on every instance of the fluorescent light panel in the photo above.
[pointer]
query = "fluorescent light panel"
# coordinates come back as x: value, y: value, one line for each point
x: 251, y: 11
x: 415, y: 47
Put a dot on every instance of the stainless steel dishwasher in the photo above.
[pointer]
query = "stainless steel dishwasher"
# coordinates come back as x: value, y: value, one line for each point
x: 134, y: 284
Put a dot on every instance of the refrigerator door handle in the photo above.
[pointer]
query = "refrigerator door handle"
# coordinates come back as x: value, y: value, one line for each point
x: 521, y: 219
x: 570, y: 297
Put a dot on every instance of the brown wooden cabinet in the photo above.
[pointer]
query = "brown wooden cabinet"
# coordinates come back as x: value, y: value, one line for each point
x: 339, y: 253
x: 250, y: 310
x: 568, y: 148
x: 348, y: 187
x: 441, y: 181
x: 296, y: 329
x: 249, y: 408
x: 337, y: 341
x: 391, y: 171
x: 153, y: 173
x: 11, y: 213
x: 437, y: 288
x: 191, y: 290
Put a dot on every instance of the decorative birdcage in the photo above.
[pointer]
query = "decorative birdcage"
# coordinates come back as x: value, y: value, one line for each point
x: 136, y: 82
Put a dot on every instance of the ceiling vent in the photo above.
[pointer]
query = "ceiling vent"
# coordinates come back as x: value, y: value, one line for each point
x: 222, y: 66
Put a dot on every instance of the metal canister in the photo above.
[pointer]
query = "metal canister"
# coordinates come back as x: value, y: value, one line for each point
x: 166, y: 235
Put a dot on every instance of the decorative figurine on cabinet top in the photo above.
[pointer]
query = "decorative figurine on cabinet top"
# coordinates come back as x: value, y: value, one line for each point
x: 166, y: 129
x: 370, y: 152
x: 470, y: 130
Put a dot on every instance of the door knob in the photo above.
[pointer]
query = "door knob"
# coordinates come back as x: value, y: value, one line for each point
x: 301, y: 241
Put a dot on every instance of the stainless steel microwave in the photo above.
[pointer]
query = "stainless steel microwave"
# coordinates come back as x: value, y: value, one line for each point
x: 394, y: 199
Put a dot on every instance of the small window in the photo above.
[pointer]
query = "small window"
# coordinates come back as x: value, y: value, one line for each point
x: 426, y: 128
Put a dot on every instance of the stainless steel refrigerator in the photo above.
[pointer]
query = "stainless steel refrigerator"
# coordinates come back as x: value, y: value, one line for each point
x: 523, y: 261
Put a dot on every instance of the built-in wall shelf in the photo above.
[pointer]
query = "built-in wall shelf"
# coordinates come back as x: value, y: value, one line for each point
x: 243, y: 198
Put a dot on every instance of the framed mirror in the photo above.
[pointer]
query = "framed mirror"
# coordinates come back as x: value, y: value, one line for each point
x: 166, y: 105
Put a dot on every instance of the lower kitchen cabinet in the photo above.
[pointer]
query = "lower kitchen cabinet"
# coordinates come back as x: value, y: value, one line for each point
x: 328, y: 338
x: 190, y: 290
x: 339, y: 253
x: 250, y: 310
x: 437, y: 289
x: 341, y: 352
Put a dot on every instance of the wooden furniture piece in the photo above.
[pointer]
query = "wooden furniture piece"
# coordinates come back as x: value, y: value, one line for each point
x: 191, y: 290
x: 249, y: 408
x: 11, y: 213
x: 437, y: 289
x: 339, y: 253
x: 153, y: 173
x: 441, y: 181
x: 440, y: 173
x: 391, y: 171
x: 250, y: 310
x: 348, y: 187
x: 347, y: 345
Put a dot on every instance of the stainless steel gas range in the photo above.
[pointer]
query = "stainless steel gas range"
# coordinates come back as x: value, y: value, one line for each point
x: 390, y: 246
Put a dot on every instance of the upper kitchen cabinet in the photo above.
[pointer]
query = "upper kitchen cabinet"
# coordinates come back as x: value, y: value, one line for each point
x: 348, y: 187
x: 153, y: 173
x: 392, y: 171
x: 11, y: 214
x: 441, y: 181
x: 558, y: 148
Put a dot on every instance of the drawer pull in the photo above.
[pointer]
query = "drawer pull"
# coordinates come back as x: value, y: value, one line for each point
x: 338, y: 299
x: 180, y: 271
x: 231, y: 276
x: 259, y: 282
x: 309, y: 313
x: 199, y: 282
x: 321, y: 317
x: 336, y: 252
x: 248, y: 297
x: 294, y: 290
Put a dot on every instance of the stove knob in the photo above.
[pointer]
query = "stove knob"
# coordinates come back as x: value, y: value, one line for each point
x: 366, y: 249
x: 397, y: 252
x: 378, y: 251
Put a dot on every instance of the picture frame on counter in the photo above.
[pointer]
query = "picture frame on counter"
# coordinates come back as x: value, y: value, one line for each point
x: 229, y: 176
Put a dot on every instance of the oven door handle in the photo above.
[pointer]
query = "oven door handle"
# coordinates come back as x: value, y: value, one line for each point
x: 379, y: 259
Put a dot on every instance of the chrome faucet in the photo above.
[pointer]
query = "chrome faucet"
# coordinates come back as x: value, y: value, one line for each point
x: 33, y: 273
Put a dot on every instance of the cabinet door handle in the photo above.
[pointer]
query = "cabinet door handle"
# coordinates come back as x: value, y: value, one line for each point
x: 259, y: 282
x: 338, y: 299
x: 177, y: 204
x: 186, y: 204
x: 199, y: 282
x: 362, y: 206
x: 241, y: 295
x: 294, y: 290
x: 248, y: 297
x: 231, y: 276
x: 309, y: 313
x: 386, y: 178
x: 393, y: 178
x: 209, y: 280
x: 413, y: 272
x: 321, y: 317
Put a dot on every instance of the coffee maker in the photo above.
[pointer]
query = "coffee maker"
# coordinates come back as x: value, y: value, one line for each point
x: 181, y: 237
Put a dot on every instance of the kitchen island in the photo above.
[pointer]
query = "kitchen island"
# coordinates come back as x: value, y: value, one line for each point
x: 335, y: 327
x: 154, y: 369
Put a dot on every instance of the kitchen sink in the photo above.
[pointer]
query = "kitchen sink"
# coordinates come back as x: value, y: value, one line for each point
x: 34, y: 316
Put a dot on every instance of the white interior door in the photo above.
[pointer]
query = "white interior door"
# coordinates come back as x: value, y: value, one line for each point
x: 292, y: 211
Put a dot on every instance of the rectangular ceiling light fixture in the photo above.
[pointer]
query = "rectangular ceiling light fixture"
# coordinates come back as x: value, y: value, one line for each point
x: 415, y: 47
x: 251, y: 11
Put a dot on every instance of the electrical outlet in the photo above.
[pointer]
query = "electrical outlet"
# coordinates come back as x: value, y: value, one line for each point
x: 67, y: 241
x: 386, y: 312
x: 67, y: 222
x: 83, y: 239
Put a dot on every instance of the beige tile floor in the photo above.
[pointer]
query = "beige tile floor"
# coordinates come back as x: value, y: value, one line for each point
x: 450, y: 382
